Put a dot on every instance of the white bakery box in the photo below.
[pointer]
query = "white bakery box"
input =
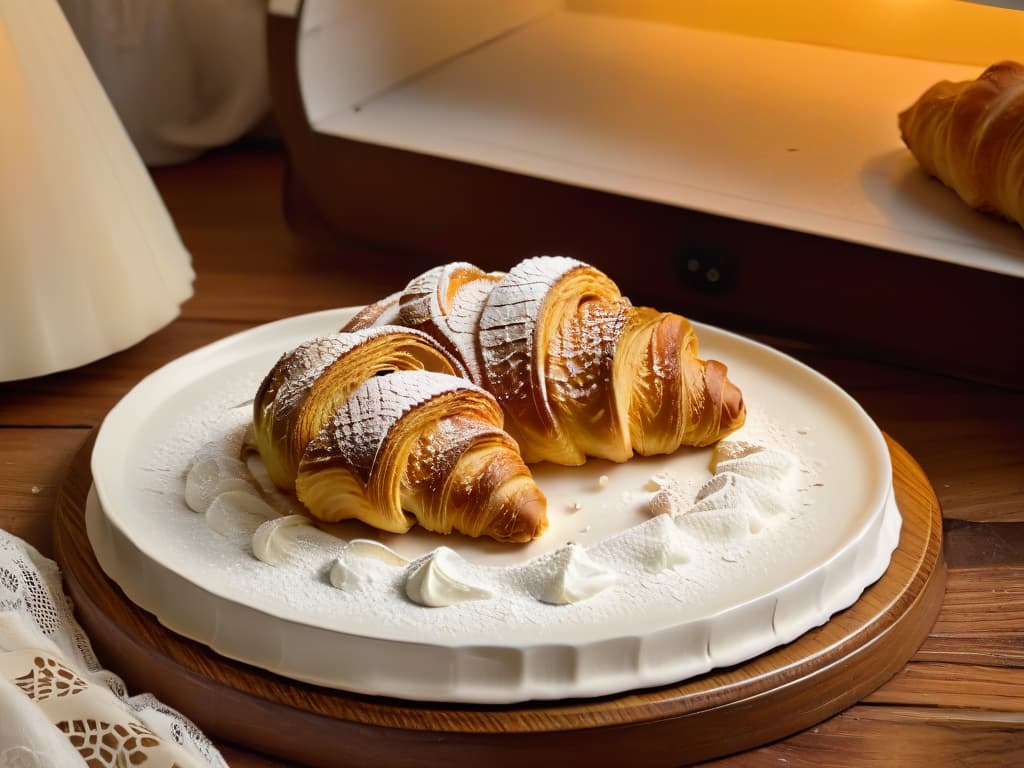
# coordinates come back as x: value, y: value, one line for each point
x: 738, y: 161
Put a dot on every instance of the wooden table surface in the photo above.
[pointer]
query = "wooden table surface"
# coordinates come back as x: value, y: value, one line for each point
x: 959, y: 701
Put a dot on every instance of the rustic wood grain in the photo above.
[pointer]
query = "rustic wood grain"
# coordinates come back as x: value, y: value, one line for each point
x: 981, y: 545
x: 237, y: 756
x: 980, y: 620
x: 986, y: 601
x: 33, y: 463
x: 954, y: 685
x: 868, y: 736
x: 821, y: 673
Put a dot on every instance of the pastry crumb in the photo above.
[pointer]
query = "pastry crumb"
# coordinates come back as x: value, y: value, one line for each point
x: 658, y: 482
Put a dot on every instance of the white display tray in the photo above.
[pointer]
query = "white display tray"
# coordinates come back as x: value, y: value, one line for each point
x: 293, y: 622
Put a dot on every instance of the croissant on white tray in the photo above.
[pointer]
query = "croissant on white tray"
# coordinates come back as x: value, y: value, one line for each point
x: 970, y: 135
x: 578, y: 370
x: 401, y: 417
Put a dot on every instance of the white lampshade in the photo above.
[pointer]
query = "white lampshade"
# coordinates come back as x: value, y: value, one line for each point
x: 90, y: 261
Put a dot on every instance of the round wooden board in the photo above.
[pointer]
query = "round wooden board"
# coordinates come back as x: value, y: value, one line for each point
x: 726, y: 711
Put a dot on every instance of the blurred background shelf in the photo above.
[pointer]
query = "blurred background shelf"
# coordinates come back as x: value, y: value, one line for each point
x: 754, y: 181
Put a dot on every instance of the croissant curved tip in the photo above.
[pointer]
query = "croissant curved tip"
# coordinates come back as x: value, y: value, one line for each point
x: 535, y: 512
x: 734, y: 410
x: 528, y: 521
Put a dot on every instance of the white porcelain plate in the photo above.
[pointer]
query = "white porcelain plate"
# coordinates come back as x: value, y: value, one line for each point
x: 726, y: 602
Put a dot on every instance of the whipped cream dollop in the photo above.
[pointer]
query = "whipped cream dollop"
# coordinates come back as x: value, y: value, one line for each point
x: 659, y: 545
x: 208, y: 478
x: 374, y: 551
x: 753, y: 486
x: 238, y: 510
x: 343, y: 576
x: 276, y: 541
x: 731, y: 506
x: 576, y: 577
x: 773, y: 467
x: 223, y: 490
x: 363, y: 563
x: 438, y: 581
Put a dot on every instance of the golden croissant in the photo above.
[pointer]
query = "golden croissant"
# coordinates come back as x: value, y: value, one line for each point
x: 375, y: 425
x: 970, y: 135
x: 577, y: 369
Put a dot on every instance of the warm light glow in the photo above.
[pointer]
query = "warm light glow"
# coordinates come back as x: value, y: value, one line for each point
x: 90, y: 262
x: 937, y: 30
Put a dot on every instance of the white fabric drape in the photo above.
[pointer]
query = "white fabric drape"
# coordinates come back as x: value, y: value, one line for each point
x: 60, y: 708
x: 183, y: 75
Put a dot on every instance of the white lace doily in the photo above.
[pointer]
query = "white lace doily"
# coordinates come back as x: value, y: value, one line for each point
x: 60, y: 707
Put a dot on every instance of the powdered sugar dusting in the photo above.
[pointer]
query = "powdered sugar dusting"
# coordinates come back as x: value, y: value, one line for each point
x: 297, y: 370
x: 383, y: 312
x: 462, y: 322
x: 585, y: 349
x: 507, y: 327
x: 455, y: 323
x: 293, y: 376
x: 359, y: 428
x: 419, y: 302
